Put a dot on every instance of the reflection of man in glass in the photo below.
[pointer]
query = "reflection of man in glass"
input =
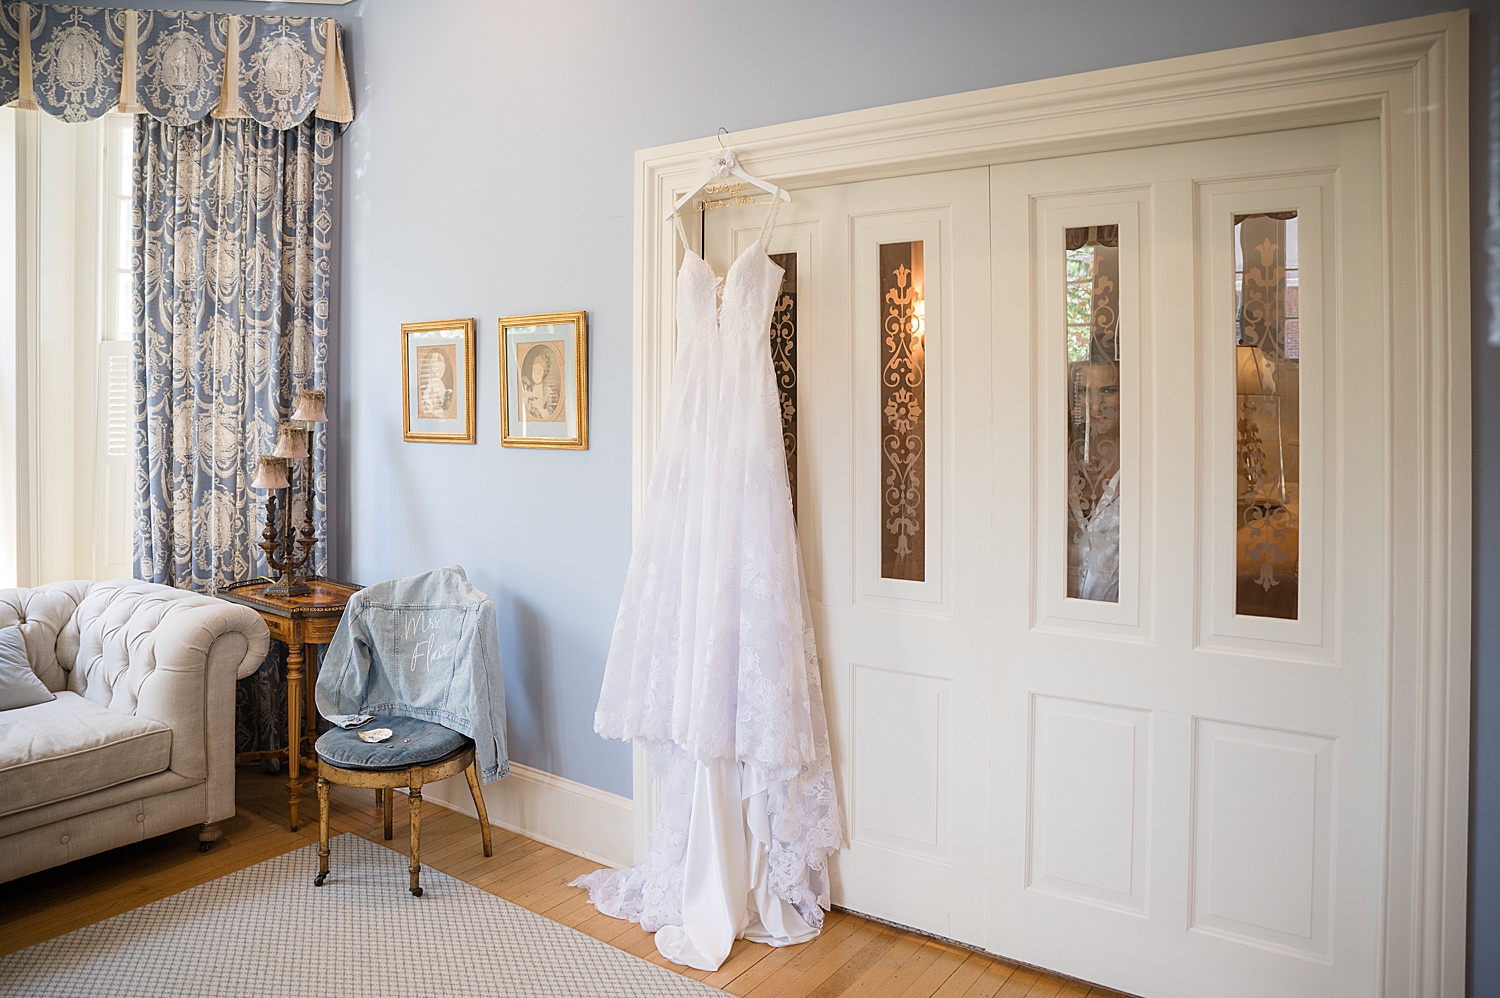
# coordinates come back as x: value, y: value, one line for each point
x: 1094, y: 481
x: 436, y: 399
x: 540, y: 395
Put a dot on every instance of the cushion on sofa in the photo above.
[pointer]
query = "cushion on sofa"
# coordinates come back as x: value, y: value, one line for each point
x: 69, y: 746
x: 19, y: 686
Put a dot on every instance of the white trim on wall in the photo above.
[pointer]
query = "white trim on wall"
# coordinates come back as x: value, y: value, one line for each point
x: 594, y: 824
x: 1410, y: 75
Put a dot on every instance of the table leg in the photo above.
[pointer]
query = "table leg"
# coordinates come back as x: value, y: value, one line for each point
x: 310, y: 670
x: 293, y: 729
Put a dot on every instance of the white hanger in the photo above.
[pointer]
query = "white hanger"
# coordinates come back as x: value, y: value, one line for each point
x: 721, y: 166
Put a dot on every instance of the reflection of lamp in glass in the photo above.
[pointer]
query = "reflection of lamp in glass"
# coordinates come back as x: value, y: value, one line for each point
x: 1261, y: 463
x: 1255, y: 374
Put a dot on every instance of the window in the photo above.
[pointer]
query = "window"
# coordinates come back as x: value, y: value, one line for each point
x: 1268, y: 427
x: 903, y: 404
x: 118, y: 203
x: 73, y: 227
x: 114, y: 486
x: 1093, y: 399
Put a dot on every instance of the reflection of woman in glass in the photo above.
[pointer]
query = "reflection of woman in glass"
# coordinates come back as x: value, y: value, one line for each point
x: 540, y: 396
x: 1094, y: 480
x: 436, y: 400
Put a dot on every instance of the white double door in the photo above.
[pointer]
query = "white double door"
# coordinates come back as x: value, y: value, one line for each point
x: 1165, y: 790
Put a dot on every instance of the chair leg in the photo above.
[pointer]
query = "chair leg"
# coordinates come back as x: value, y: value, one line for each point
x: 414, y: 820
x: 390, y: 807
x: 322, y: 832
x: 484, y: 819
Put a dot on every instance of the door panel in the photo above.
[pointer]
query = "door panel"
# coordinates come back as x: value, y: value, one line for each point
x: 893, y: 357
x: 1254, y: 753
x: 1089, y: 801
x: 1092, y: 498
x: 1064, y: 367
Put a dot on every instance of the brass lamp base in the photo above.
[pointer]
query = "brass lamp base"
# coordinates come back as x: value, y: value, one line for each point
x: 280, y: 547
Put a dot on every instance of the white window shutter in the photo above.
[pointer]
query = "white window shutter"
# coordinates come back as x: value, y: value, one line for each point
x: 116, y: 450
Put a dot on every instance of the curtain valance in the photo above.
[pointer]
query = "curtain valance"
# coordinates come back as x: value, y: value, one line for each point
x: 79, y: 63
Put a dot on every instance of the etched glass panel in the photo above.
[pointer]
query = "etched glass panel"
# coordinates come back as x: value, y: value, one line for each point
x: 1267, y: 357
x: 1093, y: 399
x: 784, y: 362
x: 903, y: 413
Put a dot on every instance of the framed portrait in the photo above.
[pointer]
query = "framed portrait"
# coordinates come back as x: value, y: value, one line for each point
x: 544, y: 386
x: 437, y: 381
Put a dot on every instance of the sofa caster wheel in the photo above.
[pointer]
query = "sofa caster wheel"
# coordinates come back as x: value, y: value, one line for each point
x: 416, y: 892
x: 210, y: 833
x: 318, y: 880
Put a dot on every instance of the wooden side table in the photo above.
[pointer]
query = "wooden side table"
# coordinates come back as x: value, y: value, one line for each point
x: 298, y: 621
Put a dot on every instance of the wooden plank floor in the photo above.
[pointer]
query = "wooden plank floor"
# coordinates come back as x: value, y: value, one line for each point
x: 852, y: 956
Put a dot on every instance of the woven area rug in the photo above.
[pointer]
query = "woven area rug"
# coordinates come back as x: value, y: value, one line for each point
x: 266, y: 931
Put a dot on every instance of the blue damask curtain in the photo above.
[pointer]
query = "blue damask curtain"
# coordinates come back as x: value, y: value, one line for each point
x: 233, y: 277
x: 234, y: 208
x: 233, y: 257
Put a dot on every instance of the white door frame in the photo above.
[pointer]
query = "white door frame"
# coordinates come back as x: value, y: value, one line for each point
x: 1413, y: 77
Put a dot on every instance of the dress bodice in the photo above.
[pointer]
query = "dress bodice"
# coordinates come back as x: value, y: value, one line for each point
x: 739, y: 304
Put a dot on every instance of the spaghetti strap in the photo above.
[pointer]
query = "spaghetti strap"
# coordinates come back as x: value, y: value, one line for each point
x: 766, y: 226
x: 681, y: 233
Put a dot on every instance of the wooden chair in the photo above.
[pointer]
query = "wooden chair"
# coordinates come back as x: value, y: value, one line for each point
x: 417, y: 753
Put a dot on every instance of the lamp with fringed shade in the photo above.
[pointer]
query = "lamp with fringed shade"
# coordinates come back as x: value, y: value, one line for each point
x: 275, y: 471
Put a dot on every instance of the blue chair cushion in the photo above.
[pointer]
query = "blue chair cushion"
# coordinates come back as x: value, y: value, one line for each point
x: 412, y: 743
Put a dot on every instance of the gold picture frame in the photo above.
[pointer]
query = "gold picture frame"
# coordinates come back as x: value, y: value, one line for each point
x: 437, y: 381
x: 544, y: 381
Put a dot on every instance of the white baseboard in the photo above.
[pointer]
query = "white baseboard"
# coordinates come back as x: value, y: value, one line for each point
x: 594, y: 824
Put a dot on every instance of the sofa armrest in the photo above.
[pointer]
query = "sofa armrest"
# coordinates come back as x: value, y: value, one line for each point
x: 174, y: 657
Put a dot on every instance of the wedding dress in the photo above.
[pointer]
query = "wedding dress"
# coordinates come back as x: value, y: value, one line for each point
x: 712, y: 664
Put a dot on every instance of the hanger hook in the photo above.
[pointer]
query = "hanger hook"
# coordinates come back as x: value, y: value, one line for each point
x: 720, y: 135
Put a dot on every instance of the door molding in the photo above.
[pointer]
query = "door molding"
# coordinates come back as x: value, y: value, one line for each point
x: 1410, y: 75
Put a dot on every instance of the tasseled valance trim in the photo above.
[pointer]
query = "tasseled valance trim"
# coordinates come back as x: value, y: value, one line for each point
x: 80, y: 63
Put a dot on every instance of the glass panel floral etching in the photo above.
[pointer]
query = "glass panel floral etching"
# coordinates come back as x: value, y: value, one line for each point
x: 1267, y: 423
x: 1093, y: 416
x: 903, y: 412
x: 784, y: 362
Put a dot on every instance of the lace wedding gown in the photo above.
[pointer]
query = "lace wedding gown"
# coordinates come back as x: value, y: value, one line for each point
x: 713, y: 664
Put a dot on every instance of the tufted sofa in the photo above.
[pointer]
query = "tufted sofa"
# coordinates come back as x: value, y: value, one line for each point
x: 140, y: 740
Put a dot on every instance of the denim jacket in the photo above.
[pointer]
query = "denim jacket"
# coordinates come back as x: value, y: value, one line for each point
x: 423, y: 647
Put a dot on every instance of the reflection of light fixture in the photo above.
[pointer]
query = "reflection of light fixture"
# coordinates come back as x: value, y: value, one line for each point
x: 1256, y: 376
x: 919, y: 313
x: 1259, y: 431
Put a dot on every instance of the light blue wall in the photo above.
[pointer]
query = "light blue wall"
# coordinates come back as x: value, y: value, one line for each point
x: 489, y: 173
